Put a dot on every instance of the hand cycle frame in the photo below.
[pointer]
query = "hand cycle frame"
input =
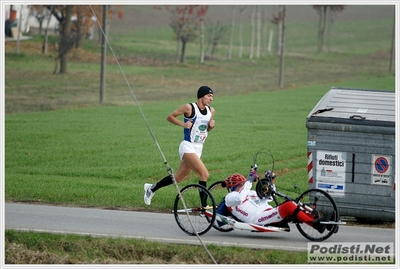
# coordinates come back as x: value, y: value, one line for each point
x: 199, y: 215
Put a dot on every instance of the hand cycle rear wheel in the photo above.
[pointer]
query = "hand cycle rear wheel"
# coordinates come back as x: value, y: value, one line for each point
x: 218, y: 192
x: 323, y: 204
x: 192, y: 219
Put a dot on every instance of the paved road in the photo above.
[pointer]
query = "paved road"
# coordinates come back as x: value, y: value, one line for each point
x: 163, y: 228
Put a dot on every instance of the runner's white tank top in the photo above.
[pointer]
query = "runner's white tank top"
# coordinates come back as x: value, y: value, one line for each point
x: 198, y: 133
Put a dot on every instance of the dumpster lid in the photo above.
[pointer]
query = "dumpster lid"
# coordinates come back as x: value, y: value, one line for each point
x: 356, y: 106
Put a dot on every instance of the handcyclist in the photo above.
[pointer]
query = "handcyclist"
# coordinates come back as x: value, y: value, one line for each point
x: 244, y: 204
x: 198, y: 120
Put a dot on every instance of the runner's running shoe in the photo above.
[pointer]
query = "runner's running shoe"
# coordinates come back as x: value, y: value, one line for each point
x: 148, y: 193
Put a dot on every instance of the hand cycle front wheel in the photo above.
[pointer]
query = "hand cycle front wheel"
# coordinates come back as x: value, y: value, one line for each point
x: 190, y: 209
x: 319, y: 204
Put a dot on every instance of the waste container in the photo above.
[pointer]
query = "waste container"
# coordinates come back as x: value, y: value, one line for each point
x: 8, y: 25
x: 351, y: 151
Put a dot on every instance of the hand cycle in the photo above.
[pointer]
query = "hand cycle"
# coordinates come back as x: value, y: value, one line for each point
x: 199, y: 215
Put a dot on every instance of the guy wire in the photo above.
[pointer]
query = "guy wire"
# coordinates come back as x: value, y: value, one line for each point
x: 169, y: 169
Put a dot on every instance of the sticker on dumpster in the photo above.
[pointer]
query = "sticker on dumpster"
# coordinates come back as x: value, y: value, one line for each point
x: 332, y: 189
x: 331, y: 165
x: 330, y: 171
x: 330, y: 186
x: 381, y: 170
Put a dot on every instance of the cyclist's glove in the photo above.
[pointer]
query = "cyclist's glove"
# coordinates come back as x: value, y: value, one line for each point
x: 253, y: 175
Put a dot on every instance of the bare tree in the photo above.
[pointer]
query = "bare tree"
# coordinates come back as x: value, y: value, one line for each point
x: 280, y: 29
x: 71, y: 33
x: 19, y: 29
x: 214, y: 34
x: 258, y: 15
x: 282, y: 48
x: 67, y: 39
x: 40, y: 13
x: 265, y: 24
x: 79, y: 26
x: 83, y: 23
x: 333, y: 13
x: 241, y: 10
x: 202, y: 41
x: 253, y: 13
x: 185, y: 33
x: 277, y: 20
x: 322, y: 11
x: 231, y: 32
x: 46, y: 33
x: 185, y: 22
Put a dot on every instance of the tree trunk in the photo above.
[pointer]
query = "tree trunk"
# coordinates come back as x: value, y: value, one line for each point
x: 99, y: 34
x: 282, y: 48
x: 231, y: 33
x: 64, y: 46
x: 241, y: 36
x: 258, y: 31
x: 63, y: 64
x: 41, y: 25
x: 271, y: 35
x: 280, y: 32
x: 79, y: 32
x: 330, y: 28
x: 252, y: 33
x: 319, y: 30
x: 183, y: 56
x: 19, y: 29
x: 264, y: 20
x: 46, y: 34
x: 324, y: 25
x: 213, y: 49
x: 178, y: 41
x: 202, y: 41
x: 322, y: 28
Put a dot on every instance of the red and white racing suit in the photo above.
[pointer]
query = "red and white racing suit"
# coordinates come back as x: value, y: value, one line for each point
x: 245, y: 205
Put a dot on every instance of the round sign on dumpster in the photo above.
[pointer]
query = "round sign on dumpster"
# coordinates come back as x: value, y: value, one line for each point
x: 381, y: 170
x: 381, y: 165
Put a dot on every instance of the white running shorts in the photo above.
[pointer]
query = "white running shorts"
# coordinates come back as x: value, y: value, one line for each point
x: 188, y: 147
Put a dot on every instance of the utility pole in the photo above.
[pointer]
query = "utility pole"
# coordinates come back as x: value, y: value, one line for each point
x: 19, y: 29
x: 103, y: 55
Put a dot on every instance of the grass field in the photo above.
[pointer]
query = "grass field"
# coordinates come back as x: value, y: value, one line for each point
x: 109, y: 152
x: 63, y: 147
x: 51, y: 249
